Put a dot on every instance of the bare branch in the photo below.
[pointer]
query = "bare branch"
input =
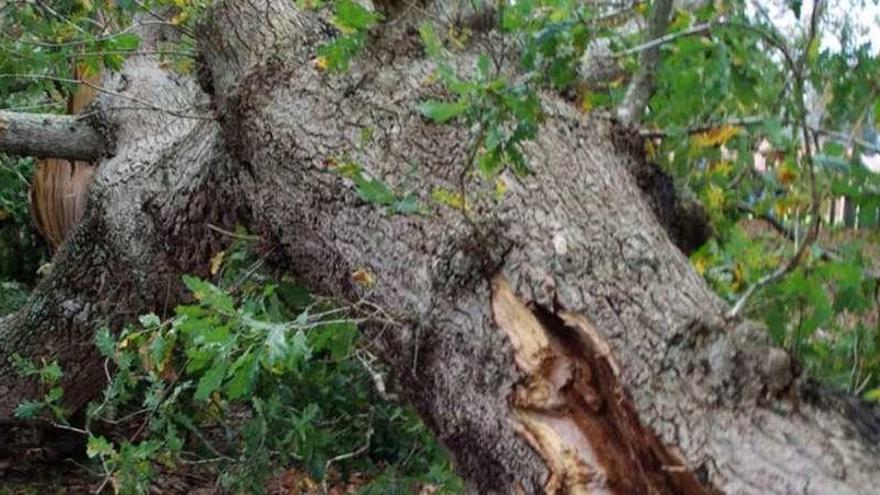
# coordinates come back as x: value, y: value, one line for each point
x: 145, y: 105
x: 696, y: 129
x: 46, y: 135
x: 667, y: 38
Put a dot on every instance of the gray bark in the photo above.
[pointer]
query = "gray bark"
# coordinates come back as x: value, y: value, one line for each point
x: 57, y: 136
x: 640, y: 89
x: 555, y: 339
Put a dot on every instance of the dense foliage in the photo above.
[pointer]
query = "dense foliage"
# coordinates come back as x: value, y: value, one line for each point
x: 253, y: 377
x: 768, y: 125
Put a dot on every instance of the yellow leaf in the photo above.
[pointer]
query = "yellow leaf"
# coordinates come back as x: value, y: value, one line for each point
x: 780, y: 208
x: 458, y: 37
x: 500, y: 188
x: 722, y: 167
x: 701, y: 265
x: 448, y: 198
x: 430, y: 79
x: 4, y: 214
x: 180, y: 18
x: 216, y: 262
x: 715, y: 197
x: 616, y: 83
x: 320, y: 63
x: 586, y: 104
x: 363, y: 277
x: 786, y: 174
x: 738, y: 277
x: 650, y: 149
x: 715, y: 137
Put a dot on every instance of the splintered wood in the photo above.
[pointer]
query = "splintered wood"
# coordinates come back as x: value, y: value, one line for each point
x: 572, y: 409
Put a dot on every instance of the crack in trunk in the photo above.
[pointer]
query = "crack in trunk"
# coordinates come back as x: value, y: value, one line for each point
x: 572, y: 408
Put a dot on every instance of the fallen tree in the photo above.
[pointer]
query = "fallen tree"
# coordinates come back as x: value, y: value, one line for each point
x: 555, y: 338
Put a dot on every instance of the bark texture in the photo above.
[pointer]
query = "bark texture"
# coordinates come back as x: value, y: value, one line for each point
x: 555, y: 339
x: 146, y: 222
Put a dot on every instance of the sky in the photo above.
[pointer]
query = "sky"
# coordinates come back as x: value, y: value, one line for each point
x: 864, y: 13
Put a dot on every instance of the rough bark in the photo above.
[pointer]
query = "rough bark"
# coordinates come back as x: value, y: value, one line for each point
x: 146, y: 222
x: 555, y: 339
x: 59, y: 136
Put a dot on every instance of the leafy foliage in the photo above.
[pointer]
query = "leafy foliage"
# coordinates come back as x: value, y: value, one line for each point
x: 353, y: 22
x: 255, y: 376
x: 20, y: 255
x: 752, y: 168
x: 503, y: 114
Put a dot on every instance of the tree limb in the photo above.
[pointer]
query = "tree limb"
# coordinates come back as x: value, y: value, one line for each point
x: 46, y: 135
x: 639, y: 91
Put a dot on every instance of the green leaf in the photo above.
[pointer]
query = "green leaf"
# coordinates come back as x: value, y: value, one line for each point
x: 158, y: 350
x: 441, y: 111
x: 211, y: 380
x: 149, y: 320
x: 294, y: 295
x: 407, y: 206
x: 98, y: 446
x: 351, y: 15
x: 244, y: 372
x: 105, y: 342
x: 374, y: 190
x: 54, y: 394
x: 124, y: 42
x: 337, y: 338
x: 339, y: 52
x: 832, y: 163
x: 433, y: 47
x: 276, y: 347
x: 51, y: 373
x: 209, y: 294
x: 28, y: 409
x: 872, y: 395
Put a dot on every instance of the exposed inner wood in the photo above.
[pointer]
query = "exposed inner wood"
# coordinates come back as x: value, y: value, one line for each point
x: 573, y: 410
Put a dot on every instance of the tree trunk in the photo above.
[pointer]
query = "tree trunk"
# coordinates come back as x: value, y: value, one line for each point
x: 555, y: 339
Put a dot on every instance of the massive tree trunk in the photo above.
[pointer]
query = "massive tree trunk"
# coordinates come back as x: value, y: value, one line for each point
x: 555, y: 339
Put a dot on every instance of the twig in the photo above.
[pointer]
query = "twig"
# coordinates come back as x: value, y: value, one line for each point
x: 244, y: 237
x: 697, y: 129
x: 101, y: 89
x: 162, y: 19
x: 667, y: 38
x: 64, y: 44
x: 132, y: 52
x: 844, y: 138
x: 378, y: 379
x: 797, y: 68
x: 348, y: 455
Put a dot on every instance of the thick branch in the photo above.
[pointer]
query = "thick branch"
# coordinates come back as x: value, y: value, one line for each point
x: 46, y: 135
x: 639, y: 91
